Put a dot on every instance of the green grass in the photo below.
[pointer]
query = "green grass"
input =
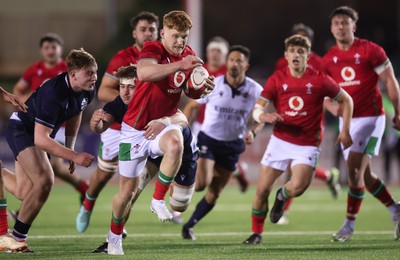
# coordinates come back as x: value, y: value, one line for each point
x: 313, y: 218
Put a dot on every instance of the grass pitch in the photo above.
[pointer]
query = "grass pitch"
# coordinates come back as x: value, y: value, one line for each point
x: 314, y: 217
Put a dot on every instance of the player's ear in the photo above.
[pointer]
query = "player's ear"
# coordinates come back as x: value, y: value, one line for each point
x: 162, y: 33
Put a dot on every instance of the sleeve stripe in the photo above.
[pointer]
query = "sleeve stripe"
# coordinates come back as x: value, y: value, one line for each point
x: 44, y: 123
x: 265, y: 99
x: 110, y: 75
x: 382, y: 67
x: 340, y: 92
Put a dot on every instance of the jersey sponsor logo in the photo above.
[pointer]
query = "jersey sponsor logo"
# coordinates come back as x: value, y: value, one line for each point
x: 84, y: 103
x: 296, y: 103
x: 348, y: 74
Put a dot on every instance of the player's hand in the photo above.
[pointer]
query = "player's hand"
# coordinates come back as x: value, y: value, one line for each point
x: 97, y: 116
x: 248, y: 138
x: 209, y: 86
x: 270, y: 118
x: 189, y: 62
x: 345, y: 139
x: 153, y: 128
x: 14, y: 100
x: 83, y: 159
x: 71, y: 167
x: 396, y: 122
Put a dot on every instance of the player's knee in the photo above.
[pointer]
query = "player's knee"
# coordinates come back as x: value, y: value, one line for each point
x: 174, y: 145
x: 200, y: 186
x: 180, y: 198
x: 108, y: 167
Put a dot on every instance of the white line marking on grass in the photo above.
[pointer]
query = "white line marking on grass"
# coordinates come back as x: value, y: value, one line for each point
x: 221, y: 234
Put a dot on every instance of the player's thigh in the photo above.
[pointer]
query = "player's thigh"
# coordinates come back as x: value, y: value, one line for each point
x: 302, y: 175
x: 35, y: 164
x: 205, y: 169
x: 220, y: 178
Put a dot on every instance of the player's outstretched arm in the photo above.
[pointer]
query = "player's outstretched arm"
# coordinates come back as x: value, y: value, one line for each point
x: 22, y: 89
x: 150, y: 70
x: 388, y: 77
x: 347, y: 103
x: 190, y: 110
x: 261, y: 116
x: 109, y: 89
x: 49, y: 145
x: 13, y: 99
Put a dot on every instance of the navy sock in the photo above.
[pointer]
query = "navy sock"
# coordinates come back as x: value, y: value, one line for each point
x: 21, y: 230
x: 202, y: 209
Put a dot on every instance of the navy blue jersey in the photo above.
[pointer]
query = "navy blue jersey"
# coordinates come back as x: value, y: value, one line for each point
x: 54, y: 103
x: 116, y: 108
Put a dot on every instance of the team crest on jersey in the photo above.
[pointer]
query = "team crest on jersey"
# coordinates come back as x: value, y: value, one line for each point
x: 357, y: 58
x: 84, y: 103
x: 284, y: 86
x: 309, y: 86
x: 296, y: 103
x: 348, y: 73
x: 179, y: 78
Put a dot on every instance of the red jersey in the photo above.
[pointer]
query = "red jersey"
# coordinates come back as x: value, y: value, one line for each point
x: 315, y: 62
x: 356, y: 71
x: 123, y: 58
x: 37, y: 74
x: 154, y: 100
x: 300, y: 102
x: 202, y: 109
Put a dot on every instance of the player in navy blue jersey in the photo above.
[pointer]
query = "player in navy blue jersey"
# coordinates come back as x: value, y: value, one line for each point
x: 30, y: 137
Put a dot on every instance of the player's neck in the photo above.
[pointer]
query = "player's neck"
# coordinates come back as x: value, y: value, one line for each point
x: 137, y: 47
x: 297, y: 72
x: 345, y: 45
x: 235, y: 82
x: 50, y: 65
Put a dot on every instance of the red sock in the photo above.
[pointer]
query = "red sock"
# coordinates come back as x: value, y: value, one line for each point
x: 321, y: 173
x: 287, y: 204
x: 88, y: 204
x: 354, y: 199
x: 3, y: 221
x: 82, y: 187
x: 117, y: 225
x: 379, y: 191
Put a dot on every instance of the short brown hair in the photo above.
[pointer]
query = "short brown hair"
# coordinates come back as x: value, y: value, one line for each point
x: 80, y: 59
x: 148, y: 16
x: 345, y: 10
x: 178, y: 20
x: 301, y: 27
x: 128, y: 72
x: 298, y: 40
x: 242, y: 49
x: 51, y: 37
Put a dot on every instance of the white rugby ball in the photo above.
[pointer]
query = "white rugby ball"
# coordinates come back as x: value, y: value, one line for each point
x: 195, y: 84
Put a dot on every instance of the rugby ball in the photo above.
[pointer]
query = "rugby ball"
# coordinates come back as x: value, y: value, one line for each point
x: 195, y: 84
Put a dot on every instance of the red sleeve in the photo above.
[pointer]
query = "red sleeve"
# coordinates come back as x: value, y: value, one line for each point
x: 377, y: 55
x: 116, y: 62
x: 151, y: 50
x: 269, y: 92
x: 30, y: 73
x: 331, y: 87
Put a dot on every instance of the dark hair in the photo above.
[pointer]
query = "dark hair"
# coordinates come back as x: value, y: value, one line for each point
x: 298, y: 40
x: 345, y: 10
x: 80, y: 59
x: 51, y: 37
x: 150, y: 17
x: 128, y: 72
x: 242, y: 49
x: 301, y: 27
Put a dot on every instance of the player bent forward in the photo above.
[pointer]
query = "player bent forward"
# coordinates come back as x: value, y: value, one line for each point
x: 298, y: 93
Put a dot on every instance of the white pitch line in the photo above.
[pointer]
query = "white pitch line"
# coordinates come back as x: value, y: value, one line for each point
x: 222, y: 234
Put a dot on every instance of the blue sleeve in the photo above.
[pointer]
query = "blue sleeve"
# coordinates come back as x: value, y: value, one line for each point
x: 116, y: 108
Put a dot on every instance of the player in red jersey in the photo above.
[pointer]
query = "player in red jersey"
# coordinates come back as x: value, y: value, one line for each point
x: 330, y: 177
x: 357, y: 65
x: 144, y: 29
x: 51, y: 65
x: 298, y: 94
x: 162, y: 69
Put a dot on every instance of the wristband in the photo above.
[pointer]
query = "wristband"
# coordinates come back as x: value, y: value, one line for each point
x: 257, y: 111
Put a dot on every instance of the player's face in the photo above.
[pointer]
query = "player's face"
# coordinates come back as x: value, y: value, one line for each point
x: 85, y: 79
x: 126, y: 90
x: 215, y: 57
x: 343, y: 28
x: 144, y: 32
x: 173, y: 40
x: 296, y: 57
x: 236, y: 64
x: 51, y: 52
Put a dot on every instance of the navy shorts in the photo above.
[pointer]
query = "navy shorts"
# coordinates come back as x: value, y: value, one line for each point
x: 18, y: 137
x: 224, y: 153
x: 186, y: 175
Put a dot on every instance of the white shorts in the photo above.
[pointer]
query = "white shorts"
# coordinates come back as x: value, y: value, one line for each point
x: 60, y: 135
x: 109, y: 144
x: 134, y: 149
x: 366, y: 133
x: 279, y: 154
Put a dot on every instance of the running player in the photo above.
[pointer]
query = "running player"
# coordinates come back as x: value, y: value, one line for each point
x: 162, y: 70
x: 144, y: 28
x: 51, y: 65
x: 357, y: 65
x: 298, y: 94
x: 223, y: 135
x: 30, y: 137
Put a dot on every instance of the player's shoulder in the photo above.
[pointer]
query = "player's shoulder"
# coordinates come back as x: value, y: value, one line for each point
x: 253, y: 84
